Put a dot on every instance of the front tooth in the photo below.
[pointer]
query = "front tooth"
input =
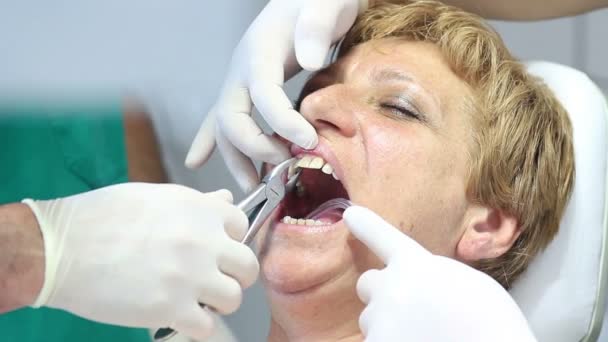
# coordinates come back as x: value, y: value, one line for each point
x: 310, y: 222
x: 286, y: 219
x: 293, y: 221
x: 316, y: 163
x: 327, y: 169
x: 335, y: 176
x: 304, y: 162
x: 301, y: 221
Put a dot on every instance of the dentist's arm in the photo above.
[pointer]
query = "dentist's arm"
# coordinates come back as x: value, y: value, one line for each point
x: 522, y: 9
x: 21, y: 257
x: 135, y: 254
x: 286, y: 36
x: 419, y: 296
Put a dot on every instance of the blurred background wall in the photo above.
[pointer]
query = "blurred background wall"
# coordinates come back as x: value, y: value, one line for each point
x: 173, y: 55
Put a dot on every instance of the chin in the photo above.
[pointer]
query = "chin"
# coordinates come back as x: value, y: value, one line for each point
x: 296, y: 263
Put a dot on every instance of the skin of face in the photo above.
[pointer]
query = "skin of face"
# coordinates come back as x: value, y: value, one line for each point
x: 394, y: 116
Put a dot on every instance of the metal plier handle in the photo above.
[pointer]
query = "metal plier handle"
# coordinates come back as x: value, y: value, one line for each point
x: 259, y: 204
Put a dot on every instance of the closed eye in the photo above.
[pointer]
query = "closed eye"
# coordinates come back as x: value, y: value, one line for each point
x: 400, y: 111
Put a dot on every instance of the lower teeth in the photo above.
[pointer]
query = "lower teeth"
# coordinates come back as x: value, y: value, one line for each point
x: 336, y: 203
x: 302, y: 222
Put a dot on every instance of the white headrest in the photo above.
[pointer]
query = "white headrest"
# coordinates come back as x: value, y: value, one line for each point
x: 563, y: 291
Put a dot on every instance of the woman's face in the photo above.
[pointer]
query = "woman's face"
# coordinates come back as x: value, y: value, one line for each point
x: 393, y: 125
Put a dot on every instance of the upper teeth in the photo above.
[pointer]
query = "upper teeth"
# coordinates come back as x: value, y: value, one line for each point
x: 314, y: 162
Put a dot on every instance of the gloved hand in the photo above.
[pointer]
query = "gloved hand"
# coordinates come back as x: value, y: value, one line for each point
x: 287, y: 34
x: 419, y: 296
x: 143, y: 255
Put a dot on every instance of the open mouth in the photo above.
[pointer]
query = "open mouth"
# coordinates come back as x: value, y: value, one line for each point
x: 319, y: 198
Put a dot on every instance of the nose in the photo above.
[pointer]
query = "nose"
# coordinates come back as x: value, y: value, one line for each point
x: 331, y: 109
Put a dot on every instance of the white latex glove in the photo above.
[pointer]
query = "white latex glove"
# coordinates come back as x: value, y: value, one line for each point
x: 286, y: 35
x: 143, y: 255
x: 419, y: 296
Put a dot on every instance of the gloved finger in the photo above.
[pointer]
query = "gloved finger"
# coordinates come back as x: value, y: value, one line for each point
x: 237, y: 125
x: 221, y: 292
x: 223, y: 195
x: 319, y: 25
x: 240, y: 167
x: 236, y: 222
x: 366, y: 319
x: 251, y: 140
x: 272, y: 103
x: 380, y: 236
x: 195, y: 323
x: 204, y: 143
x: 366, y: 284
x: 239, y: 262
x: 373, y: 323
x: 379, y: 330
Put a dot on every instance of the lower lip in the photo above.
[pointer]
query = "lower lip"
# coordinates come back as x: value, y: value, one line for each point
x: 286, y: 227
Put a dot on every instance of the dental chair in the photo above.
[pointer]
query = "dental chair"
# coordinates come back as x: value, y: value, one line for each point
x: 563, y: 293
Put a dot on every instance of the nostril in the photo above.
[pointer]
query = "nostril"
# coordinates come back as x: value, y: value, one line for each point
x: 320, y: 123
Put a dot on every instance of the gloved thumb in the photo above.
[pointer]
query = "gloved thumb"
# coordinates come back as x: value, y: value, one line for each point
x: 197, y: 324
x: 203, y: 145
x: 319, y: 25
x: 381, y: 237
x: 223, y: 195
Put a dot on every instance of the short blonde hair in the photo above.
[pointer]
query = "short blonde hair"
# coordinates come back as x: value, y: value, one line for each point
x: 522, y: 158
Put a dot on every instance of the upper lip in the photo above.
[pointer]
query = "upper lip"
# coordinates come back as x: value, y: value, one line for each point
x: 324, y: 151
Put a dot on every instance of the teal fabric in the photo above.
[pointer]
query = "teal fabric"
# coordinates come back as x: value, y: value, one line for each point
x: 56, y: 151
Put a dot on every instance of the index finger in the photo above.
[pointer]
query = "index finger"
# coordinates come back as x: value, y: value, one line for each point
x: 236, y: 124
x: 277, y: 110
x: 381, y: 237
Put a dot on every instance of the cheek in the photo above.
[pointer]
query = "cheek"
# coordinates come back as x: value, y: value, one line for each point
x: 382, y: 144
x: 398, y: 173
x: 411, y: 170
x: 395, y: 155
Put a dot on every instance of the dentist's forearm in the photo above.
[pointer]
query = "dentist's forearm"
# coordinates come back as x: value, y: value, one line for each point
x: 21, y: 257
x: 521, y: 9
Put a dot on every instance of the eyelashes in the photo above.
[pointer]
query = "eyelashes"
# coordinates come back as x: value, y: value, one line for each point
x: 400, y: 111
x: 402, y: 108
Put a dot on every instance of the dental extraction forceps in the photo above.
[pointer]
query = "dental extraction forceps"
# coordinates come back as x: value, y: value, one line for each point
x: 260, y: 203
x: 267, y: 196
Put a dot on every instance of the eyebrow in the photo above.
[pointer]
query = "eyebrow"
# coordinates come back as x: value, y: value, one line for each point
x: 388, y: 75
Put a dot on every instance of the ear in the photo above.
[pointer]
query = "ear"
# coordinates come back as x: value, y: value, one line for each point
x: 488, y: 233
